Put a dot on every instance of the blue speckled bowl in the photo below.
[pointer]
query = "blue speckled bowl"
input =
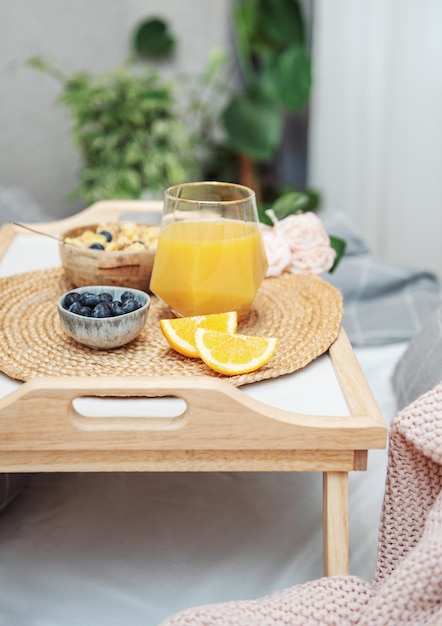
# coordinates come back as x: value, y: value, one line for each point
x: 106, y: 332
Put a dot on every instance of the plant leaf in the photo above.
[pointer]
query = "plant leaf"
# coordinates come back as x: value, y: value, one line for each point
x: 339, y: 245
x: 281, y: 21
x: 153, y: 38
x: 314, y: 199
x: 289, y: 203
x: 288, y: 76
x: 253, y: 127
x: 244, y: 20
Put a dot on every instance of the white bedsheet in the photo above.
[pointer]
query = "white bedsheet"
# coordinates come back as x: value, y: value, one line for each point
x: 131, y: 549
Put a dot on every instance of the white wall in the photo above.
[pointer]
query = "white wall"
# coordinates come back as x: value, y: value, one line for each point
x: 375, y: 147
x: 36, y: 151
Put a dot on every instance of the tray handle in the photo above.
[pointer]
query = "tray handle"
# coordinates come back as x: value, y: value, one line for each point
x: 105, y: 210
x: 41, y: 414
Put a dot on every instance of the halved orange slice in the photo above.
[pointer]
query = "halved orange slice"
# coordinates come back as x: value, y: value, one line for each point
x: 233, y: 354
x: 180, y: 331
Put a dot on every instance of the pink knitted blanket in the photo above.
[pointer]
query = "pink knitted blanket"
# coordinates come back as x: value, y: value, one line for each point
x: 407, y: 588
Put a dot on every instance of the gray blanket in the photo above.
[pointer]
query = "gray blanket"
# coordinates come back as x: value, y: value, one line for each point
x: 383, y: 302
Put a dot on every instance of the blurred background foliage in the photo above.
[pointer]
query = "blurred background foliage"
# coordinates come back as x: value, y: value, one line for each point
x: 274, y: 62
x: 129, y: 132
x: 139, y: 132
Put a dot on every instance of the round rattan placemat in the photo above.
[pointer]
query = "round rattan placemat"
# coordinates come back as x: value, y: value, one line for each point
x: 305, y: 312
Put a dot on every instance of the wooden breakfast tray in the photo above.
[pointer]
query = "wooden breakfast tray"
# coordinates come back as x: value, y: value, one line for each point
x: 38, y: 420
x: 220, y: 429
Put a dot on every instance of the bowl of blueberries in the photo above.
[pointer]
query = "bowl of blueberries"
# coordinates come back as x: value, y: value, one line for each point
x: 109, y: 253
x: 103, y: 316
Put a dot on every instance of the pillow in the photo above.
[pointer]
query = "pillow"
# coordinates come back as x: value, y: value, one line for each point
x: 420, y: 367
x: 10, y: 486
x: 384, y: 302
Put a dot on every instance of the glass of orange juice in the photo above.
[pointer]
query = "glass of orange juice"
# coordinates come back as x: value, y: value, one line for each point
x: 210, y: 257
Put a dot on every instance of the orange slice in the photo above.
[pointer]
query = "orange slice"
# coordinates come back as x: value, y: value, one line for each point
x: 232, y: 354
x: 180, y: 332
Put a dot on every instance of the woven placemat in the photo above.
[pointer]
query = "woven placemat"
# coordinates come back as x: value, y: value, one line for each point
x: 305, y: 313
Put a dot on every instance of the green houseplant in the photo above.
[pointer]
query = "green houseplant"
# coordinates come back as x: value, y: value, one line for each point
x: 275, y: 66
x: 127, y: 126
x: 138, y: 132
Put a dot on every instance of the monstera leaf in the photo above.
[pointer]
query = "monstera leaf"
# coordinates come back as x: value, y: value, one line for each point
x: 275, y: 69
x: 287, y: 77
x: 254, y: 127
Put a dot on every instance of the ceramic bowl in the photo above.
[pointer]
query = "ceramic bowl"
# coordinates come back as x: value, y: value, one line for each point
x: 105, y: 332
x: 87, y: 266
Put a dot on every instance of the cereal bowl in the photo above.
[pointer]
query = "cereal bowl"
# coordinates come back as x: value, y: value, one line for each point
x: 126, y: 259
x: 118, y: 326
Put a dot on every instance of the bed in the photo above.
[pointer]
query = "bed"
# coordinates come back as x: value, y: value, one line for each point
x: 123, y: 548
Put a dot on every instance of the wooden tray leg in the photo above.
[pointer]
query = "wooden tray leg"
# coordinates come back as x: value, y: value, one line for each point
x: 335, y: 523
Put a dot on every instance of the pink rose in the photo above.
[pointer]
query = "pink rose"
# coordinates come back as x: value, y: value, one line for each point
x: 314, y: 260
x: 297, y: 244
x: 277, y: 250
x: 303, y: 231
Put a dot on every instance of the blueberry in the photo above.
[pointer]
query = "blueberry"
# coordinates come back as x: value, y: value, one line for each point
x: 88, y: 304
x: 85, y: 311
x: 104, y: 297
x: 75, y: 307
x: 126, y: 296
x: 106, y: 234
x: 96, y: 246
x: 89, y: 299
x: 130, y: 305
x: 102, y: 309
x: 115, y: 308
x: 70, y: 298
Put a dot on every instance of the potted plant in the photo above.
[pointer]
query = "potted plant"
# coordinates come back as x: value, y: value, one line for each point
x: 139, y: 133
x: 135, y: 130
x: 275, y: 68
x: 128, y: 129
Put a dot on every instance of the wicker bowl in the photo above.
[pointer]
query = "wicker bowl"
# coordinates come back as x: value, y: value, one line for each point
x: 88, y: 266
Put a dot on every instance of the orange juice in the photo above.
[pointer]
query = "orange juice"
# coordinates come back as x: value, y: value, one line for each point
x: 204, y: 267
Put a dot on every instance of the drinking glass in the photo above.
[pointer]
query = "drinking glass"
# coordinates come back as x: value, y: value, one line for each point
x: 210, y: 257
